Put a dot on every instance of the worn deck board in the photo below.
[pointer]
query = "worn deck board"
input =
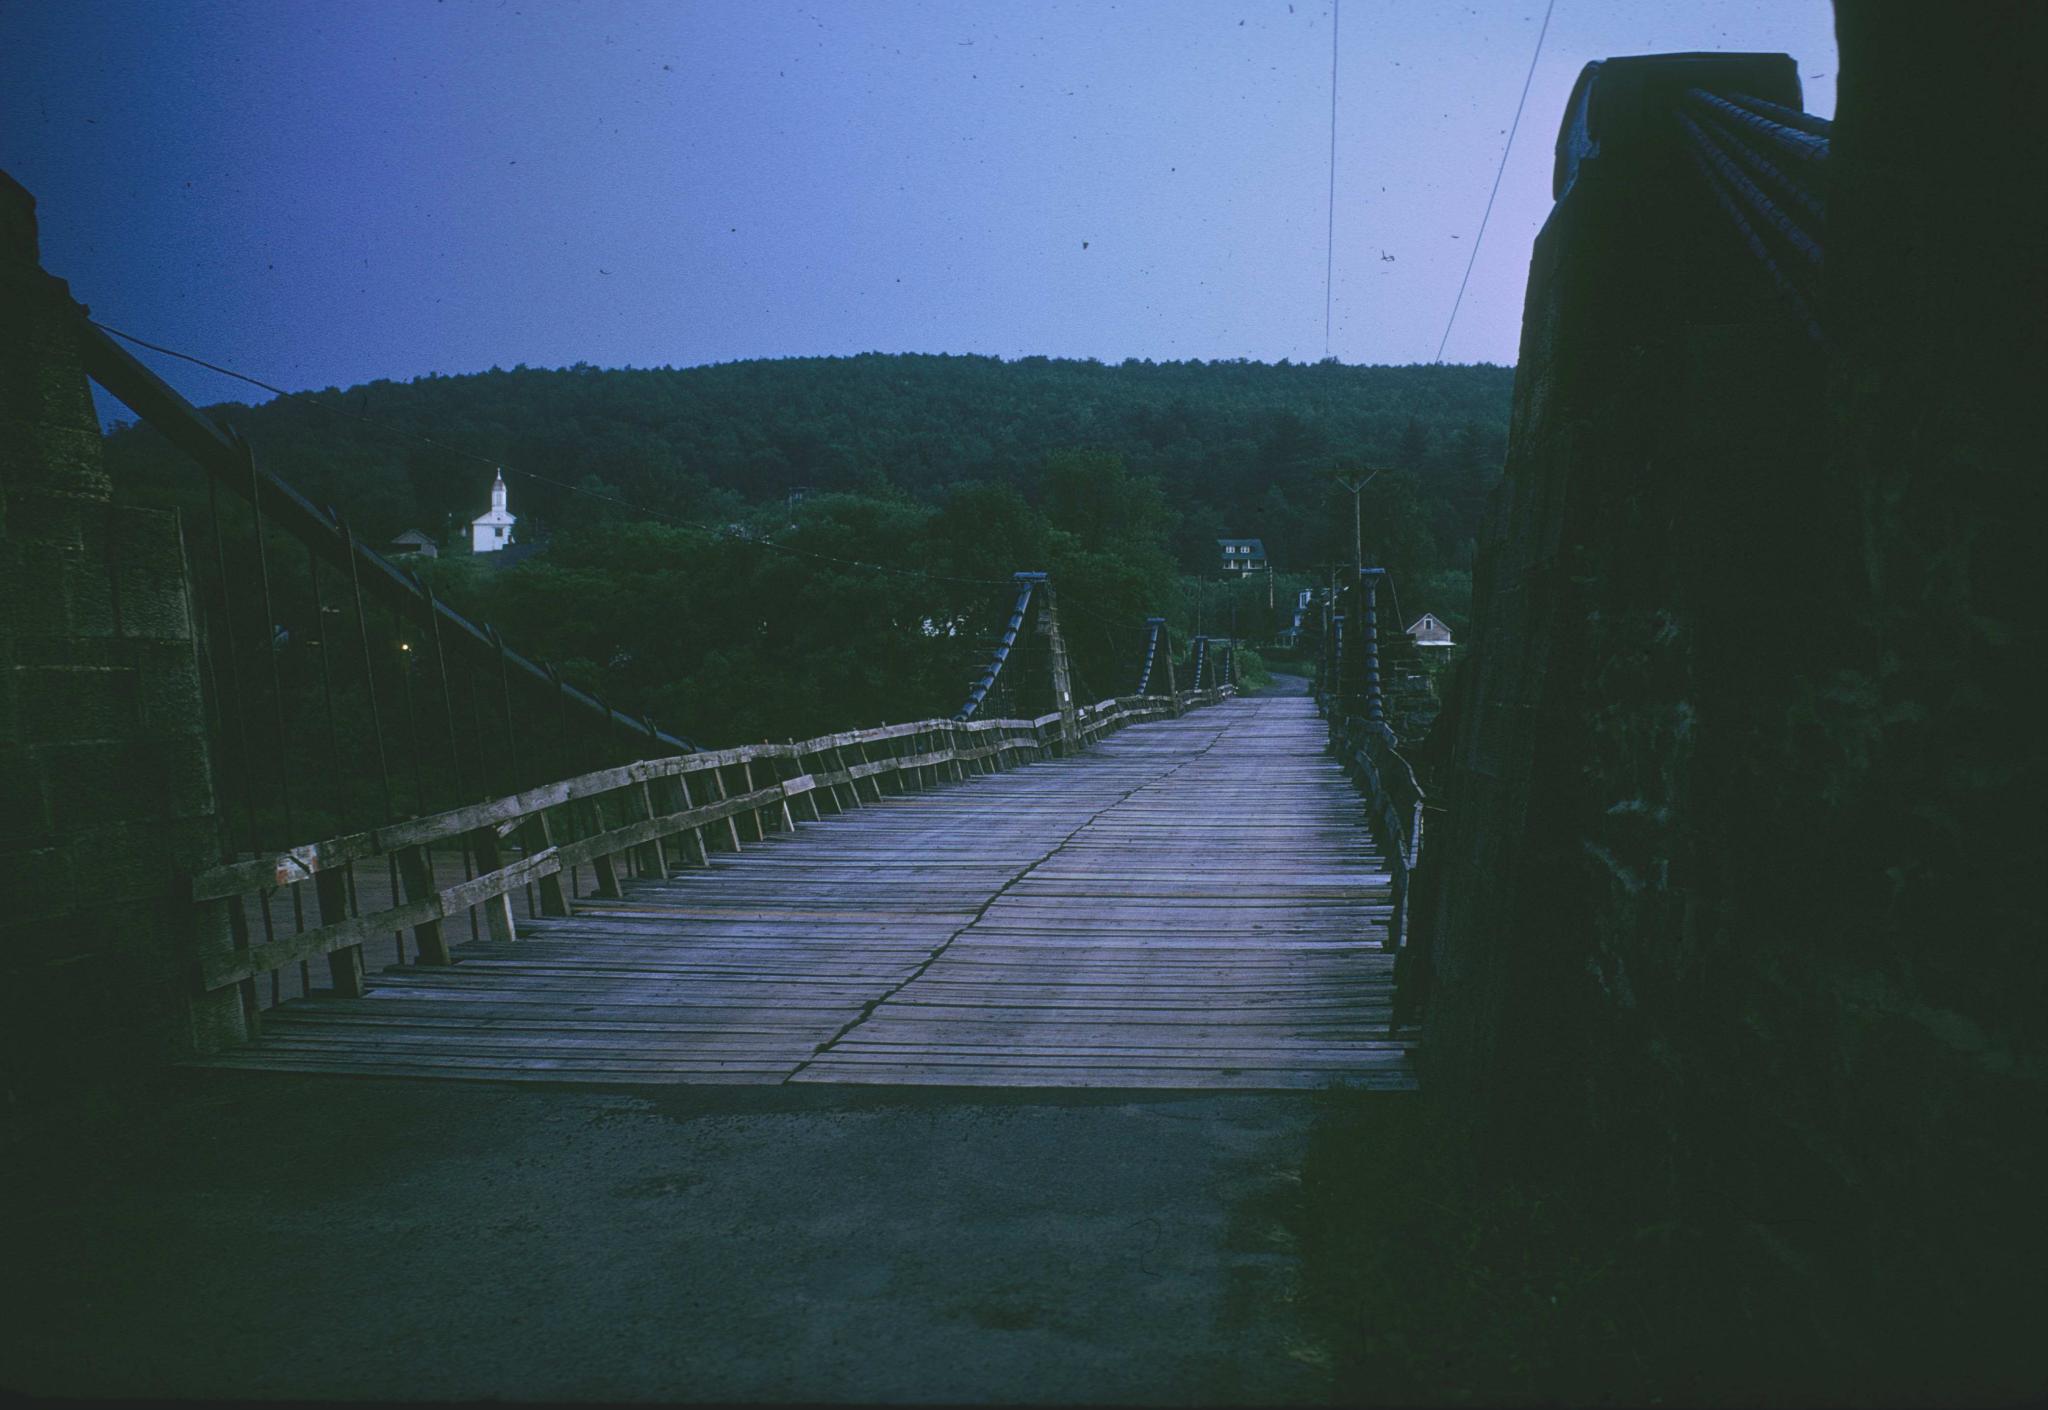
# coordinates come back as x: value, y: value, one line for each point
x: 1194, y: 903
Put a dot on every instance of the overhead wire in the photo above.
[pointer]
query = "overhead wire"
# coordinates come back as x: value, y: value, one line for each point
x: 1330, y: 211
x: 716, y: 532
x: 1513, y: 128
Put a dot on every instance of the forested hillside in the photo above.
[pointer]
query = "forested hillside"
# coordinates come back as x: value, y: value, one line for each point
x: 1118, y: 478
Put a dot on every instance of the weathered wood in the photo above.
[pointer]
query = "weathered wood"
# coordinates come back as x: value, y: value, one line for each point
x: 1192, y: 904
x: 613, y: 841
x: 694, y: 829
x: 724, y: 795
x: 413, y: 869
x: 652, y: 860
x: 497, y: 904
x: 344, y: 963
x: 252, y: 876
x: 348, y: 933
x: 540, y: 837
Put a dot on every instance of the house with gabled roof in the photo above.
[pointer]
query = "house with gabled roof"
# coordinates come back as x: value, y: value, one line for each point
x: 413, y: 543
x: 1242, y: 556
x: 1429, y: 630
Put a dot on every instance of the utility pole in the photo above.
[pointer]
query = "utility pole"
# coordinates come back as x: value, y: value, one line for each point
x: 1357, y: 535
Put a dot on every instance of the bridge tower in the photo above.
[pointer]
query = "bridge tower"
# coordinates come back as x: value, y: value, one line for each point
x: 1158, y: 659
x: 1369, y: 646
x: 1359, y: 691
x: 105, y: 759
x: 1062, y: 672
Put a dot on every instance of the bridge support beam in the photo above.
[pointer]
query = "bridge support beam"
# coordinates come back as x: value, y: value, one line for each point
x: 104, y: 755
x: 1166, y: 659
x: 1375, y: 701
x: 1062, y: 673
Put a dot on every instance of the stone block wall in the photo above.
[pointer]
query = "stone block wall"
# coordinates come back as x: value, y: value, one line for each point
x: 105, y: 770
x: 1733, y: 914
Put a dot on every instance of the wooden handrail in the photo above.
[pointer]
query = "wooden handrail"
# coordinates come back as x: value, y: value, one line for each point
x: 817, y: 764
x: 1394, y: 803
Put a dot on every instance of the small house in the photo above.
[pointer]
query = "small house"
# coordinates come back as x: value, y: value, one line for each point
x: 413, y: 543
x: 1428, y: 630
x: 1242, y: 556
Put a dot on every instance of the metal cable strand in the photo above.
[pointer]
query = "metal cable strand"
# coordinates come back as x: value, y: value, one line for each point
x: 980, y: 689
x: 1751, y: 194
x: 1513, y: 128
x: 1803, y: 146
x: 1151, y: 654
x: 1791, y: 117
x: 1735, y: 142
x: 1732, y: 208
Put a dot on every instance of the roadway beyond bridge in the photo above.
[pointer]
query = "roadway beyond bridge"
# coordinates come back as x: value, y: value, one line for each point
x: 1193, y: 903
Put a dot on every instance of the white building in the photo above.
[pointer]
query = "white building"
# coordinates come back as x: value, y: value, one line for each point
x: 1428, y: 630
x: 492, y: 530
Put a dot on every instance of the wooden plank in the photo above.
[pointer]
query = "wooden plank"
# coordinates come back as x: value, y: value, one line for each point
x: 1192, y: 902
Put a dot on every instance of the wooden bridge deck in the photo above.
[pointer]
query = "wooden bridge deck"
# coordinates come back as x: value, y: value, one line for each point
x: 1193, y: 903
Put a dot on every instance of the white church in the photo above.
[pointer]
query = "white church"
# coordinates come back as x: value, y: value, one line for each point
x: 492, y: 530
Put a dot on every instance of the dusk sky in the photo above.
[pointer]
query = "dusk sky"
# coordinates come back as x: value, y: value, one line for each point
x: 323, y: 193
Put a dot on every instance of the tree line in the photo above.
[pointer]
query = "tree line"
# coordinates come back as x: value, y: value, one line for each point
x: 775, y: 548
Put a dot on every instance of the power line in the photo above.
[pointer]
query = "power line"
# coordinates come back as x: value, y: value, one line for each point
x: 1330, y: 219
x: 1512, y: 129
x: 713, y: 530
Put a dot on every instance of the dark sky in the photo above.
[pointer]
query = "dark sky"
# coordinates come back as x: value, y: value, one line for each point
x: 325, y: 193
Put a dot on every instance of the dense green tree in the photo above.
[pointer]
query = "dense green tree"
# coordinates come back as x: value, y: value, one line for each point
x: 767, y: 549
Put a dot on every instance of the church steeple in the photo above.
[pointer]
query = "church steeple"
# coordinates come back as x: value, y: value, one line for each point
x: 492, y: 530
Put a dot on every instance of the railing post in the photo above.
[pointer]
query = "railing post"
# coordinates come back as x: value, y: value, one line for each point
x: 497, y: 909
x: 415, y: 870
x: 538, y: 830
x: 605, y: 871
x: 653, y: 857
x: 330, y: 887
x: 796, y: 763
x: 732, y: 825
x: 1166, y: 655
x: 696, y: 833
x: 840, y: 764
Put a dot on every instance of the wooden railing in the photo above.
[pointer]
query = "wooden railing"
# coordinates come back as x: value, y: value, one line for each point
x: 1393, y: 799
x: 643, y: 816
